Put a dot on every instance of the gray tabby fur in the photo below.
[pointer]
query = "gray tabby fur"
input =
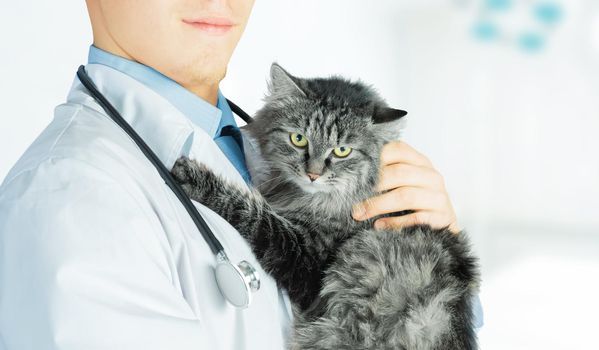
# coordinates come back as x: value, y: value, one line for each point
x: 352, y: 287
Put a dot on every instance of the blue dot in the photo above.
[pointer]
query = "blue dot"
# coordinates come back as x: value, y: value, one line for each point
x: 531, y: 41
x: 485, y: 31
x: 498, y: 4
x: 548, y: 12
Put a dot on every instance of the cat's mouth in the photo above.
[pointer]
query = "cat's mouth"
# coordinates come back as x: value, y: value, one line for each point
x: 312, y: 186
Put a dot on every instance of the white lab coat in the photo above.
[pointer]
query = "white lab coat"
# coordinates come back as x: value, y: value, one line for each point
x: 96, y: 252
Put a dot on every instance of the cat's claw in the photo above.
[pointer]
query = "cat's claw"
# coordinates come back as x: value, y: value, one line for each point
x: 183, y: 170
x: 196, y: 179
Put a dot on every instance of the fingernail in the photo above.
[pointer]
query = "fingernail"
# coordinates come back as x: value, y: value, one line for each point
x: 379, y: 225
x: 358, y: 211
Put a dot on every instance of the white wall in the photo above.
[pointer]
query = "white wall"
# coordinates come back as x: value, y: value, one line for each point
x: 515, y: 134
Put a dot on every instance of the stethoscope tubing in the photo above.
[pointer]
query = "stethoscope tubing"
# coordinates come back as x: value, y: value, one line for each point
x: 198, y: 220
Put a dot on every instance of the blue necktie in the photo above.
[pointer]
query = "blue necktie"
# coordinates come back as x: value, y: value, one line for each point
x: 231, y: 143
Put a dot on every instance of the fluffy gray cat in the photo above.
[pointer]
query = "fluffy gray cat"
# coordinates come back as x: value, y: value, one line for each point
x: 352, y: 287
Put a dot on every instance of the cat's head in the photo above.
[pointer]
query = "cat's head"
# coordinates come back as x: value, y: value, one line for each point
x: 323, y: 135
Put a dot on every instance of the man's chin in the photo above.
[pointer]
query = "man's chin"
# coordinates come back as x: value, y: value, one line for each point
x: 200, y: 72
x: 205, y: 77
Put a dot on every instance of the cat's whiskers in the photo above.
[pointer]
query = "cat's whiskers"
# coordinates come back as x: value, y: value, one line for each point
x: 262, y: 185
x: 265, y: 189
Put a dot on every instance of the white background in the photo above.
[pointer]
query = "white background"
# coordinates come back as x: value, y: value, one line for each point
x: 515, y: 134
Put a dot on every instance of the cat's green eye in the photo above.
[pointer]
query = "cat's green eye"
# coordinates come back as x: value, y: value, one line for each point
x: 298, y: 140
x: 342, y: 151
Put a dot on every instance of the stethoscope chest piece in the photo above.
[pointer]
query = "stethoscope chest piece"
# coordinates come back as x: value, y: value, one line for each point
x: 236, y: 282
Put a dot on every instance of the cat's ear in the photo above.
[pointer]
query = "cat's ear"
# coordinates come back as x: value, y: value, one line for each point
x: 282, y: 83
x: 386, y: 114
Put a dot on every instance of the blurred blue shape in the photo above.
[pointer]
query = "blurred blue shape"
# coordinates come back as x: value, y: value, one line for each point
x: 548, y: 12
x: 498, y: 4
x: 531, y: 42
x: 485, y: 31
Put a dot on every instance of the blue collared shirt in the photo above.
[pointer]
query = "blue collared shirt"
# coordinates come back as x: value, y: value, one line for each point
x: 217, y: 121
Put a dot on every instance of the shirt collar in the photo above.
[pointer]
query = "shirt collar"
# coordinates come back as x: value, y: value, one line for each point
x: 227, y: 114
x: 205, y: 115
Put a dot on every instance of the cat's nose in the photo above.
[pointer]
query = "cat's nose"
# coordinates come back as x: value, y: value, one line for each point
x: 313, y: 176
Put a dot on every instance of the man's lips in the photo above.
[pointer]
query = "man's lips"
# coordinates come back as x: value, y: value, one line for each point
x: 212, y: 25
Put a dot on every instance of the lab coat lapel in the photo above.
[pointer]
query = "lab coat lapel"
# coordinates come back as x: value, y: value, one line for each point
x: 162, y: 126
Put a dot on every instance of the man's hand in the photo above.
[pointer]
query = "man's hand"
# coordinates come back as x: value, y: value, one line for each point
x: 411, y: 183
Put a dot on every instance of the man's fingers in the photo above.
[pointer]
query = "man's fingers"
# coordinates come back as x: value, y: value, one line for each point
x: 419, y: 217
x: 397, y: 222
x: 400, y: 174
x: 401, y: 152
x: 401, y: 198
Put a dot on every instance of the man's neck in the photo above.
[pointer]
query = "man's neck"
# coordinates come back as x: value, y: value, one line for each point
x: 208, y: 92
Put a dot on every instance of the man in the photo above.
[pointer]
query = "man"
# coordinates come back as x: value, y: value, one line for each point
x: 95, y: 252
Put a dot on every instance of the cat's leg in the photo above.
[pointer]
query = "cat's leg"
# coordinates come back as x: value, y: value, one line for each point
x: 285, y: 247
x: 396, y: 290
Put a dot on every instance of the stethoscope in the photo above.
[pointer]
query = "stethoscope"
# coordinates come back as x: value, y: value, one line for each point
x: 236, y: 282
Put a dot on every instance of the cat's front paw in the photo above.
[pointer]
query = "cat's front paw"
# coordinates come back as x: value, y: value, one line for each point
x: 196, y: 179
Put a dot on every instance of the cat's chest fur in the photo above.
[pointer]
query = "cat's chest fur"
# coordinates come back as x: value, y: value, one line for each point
x: 325, y: 212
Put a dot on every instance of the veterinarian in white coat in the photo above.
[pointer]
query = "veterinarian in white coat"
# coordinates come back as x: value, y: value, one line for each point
x: 139, y: 276
x: 95, y: 251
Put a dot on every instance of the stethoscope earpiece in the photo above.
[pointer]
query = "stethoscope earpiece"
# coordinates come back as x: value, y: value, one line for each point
x: 236, y: 282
